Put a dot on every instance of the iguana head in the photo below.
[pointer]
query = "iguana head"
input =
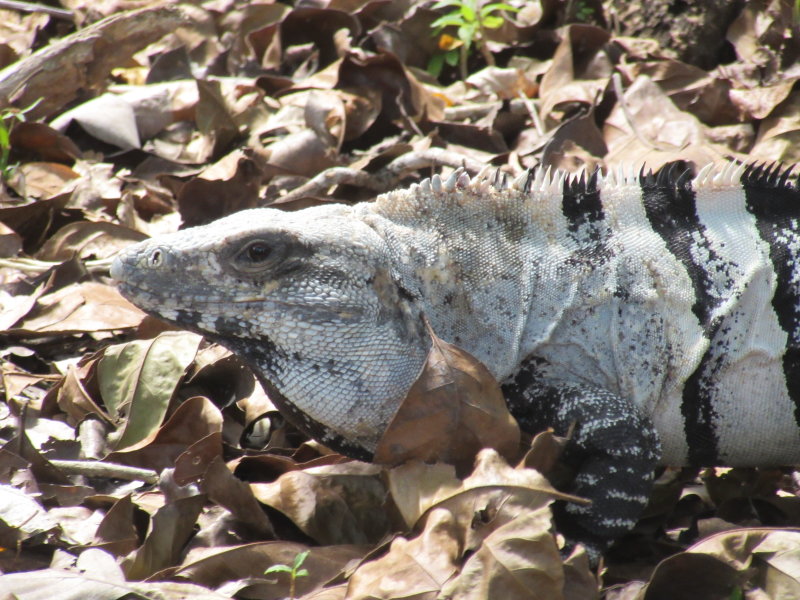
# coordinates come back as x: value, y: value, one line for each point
x: 308, y: 298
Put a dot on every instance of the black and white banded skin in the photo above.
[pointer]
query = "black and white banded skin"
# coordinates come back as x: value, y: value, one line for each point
x: 658, y: 313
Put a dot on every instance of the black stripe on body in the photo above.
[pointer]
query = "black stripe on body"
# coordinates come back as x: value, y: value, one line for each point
x: 669, y: 204
x: 581, y: 202
x: 583, y: 211
x: 775, y: 203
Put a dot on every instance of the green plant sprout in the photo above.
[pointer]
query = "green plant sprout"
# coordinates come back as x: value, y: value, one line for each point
x: 294, y: 571
x: 10, y: 116
x: 472, y: 20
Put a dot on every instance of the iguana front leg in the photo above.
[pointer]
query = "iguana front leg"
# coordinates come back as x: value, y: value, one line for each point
x: 613, y: 449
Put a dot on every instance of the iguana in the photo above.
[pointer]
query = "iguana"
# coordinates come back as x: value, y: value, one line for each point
x: 659, y: 313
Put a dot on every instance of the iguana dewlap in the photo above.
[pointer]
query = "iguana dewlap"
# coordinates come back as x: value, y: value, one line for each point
x: 659, y: 313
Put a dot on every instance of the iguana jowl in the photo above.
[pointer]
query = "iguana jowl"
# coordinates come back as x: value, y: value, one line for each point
x: 659, y: 313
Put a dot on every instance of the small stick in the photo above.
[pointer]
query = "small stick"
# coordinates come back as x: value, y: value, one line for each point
x: 31, y: 7
x: 93, y: 468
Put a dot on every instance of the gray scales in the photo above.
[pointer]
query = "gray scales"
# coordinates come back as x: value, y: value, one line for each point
x: 659, y: 313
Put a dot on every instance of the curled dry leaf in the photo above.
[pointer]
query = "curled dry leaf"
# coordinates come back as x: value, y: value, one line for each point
x: 763, y: 560
x: 454, y: 409
x: 645, y: 127
x: 88, y: 239
x: 236, y: 496
x: 779, y: 134
x: 45, y: 179
x: 193, y: 462
x: 517, y: 561
x: 117, y: 533
x: 333, y: 504
x: 493, y: 485
x: 80, y: 307
x: 193, y: 420
x: 413, y: 568
x: 43, y: 140
x: 498, y: 519
x: 171, y: 527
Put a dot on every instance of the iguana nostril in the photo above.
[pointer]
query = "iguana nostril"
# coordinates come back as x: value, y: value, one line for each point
x: 155, y: 258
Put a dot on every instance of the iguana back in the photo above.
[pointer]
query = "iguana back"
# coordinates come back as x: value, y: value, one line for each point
x: 679, y: 294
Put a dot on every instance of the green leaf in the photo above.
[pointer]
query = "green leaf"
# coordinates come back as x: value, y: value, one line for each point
x: 298, y: 560
x: 490, y: 8
x: 278, y: 569
x: 137, y: 381
x: 468, y: 13
x: 444, y: 3
x: 5, y: 140
x: 466, y: 33
x: 301, y: 573
x: 492, y: 22
x: 436, y: 63
x: 452, y: 57
x: 447, y: 20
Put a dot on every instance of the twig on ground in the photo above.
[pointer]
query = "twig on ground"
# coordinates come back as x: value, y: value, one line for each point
x: 93, y: 468
x: 320, y: 184
x: 31, y: 7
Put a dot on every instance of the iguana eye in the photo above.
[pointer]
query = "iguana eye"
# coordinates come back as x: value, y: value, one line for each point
x: 258, y: 252
x: 257, y: 255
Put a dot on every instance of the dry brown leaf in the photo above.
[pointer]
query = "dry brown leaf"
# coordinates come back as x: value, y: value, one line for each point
x: 416, y: 488
x: 15, y: 307
x: 334, y: 504
x: 693, y: 90
x: 75, y: 401
x: 105, y: 585
x: 237, y: 497
x: 171, y: 527
x: 80, y: 307
x: 117, y: 533
x: 212, y: 195
x: 193, y: 420
x: 193, y: 462
x: 213, y: 567
x: 87, y: 240
x: 545, y: 450
x: 10, y: 241
x: 453, y: 410
x: 414, y: 568
x: 517, y: 561
x: 688, y: 575
x: 779, y: 134
x: 44, y: 141
x: 14, y: 381
x: 44, y: 180
x: 760, y: 34
x: 214, y: 117
x: 657, y: 131
x: 759, y: 102
x: 576, y: 144
x: 579, y: 72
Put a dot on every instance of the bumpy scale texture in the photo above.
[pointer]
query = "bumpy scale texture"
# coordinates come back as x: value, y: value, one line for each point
x: 658, y: 312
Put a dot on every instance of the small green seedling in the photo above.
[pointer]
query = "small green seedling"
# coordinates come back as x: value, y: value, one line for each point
x: 9, y: 117
x: 472, y: 18
x: 294, y: 571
